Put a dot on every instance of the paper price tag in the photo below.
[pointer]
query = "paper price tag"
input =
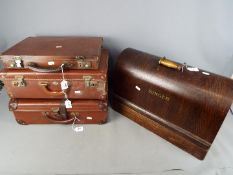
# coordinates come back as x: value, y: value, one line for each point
x: 68, y: 104
x: 78, y: 129
x: 64, y: 85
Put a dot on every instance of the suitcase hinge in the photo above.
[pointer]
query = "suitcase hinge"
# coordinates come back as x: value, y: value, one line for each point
x: 19, y: 81
x: 89, y: 82
x: 17, y: 62
x: 83, y: 64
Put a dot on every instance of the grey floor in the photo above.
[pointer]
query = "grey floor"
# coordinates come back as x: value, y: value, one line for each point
x: 118, y: 147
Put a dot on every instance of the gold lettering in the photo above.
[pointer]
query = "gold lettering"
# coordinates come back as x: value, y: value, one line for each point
x: 162, y: 96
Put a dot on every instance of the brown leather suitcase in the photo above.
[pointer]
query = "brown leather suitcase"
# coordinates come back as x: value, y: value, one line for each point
x: 47, y: 54
x: 28, y: 111
x: 83, y: 84
x: 183, y: 104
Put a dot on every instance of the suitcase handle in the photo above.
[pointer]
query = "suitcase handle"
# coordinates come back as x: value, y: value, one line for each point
x: 45, y: 85
x: 56, y: 121
x: 36, y: 68
x: 171, y: 64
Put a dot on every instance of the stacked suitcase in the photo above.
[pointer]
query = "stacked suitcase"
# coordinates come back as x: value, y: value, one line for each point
x: 57, y: 80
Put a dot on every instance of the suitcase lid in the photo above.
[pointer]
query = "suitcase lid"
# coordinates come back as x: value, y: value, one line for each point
x: 57, y: 46
x: 100, y: 73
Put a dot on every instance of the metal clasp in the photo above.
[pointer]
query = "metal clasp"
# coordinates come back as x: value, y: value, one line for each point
x: 83, y: 64
x: 19, y: 81
x: 16, y: 63
x: 88, y: 81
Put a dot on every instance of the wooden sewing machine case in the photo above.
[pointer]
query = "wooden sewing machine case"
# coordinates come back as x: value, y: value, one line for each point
x: 184, y: 105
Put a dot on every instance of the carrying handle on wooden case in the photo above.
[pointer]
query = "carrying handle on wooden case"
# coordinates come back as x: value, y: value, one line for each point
x: 56, y: 121
x: 36, y: 68
x: 171, y: 64
x: 45, y: 85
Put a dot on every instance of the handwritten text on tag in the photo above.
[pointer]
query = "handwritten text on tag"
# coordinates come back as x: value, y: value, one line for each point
x: 68, y: 104
x: 64, y: 85
x: 78, y: 129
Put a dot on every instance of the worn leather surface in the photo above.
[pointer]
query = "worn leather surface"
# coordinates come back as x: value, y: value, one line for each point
x: 42, y: 50
x: 190, y: 104
x: 47, y: 85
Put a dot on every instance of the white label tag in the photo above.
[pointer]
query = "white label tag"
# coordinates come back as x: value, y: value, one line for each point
x: 64, y: 85
x: 78, y: 129
x: 89, y: 118
x: 68, y: 104
x: 206, y: 73
x: 77, y: 92
x: 193, y: 69
x: 50, y: 63
x: 18, y: 63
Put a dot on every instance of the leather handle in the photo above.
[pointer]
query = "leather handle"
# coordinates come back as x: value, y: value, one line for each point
x: 171, y: 64
x: 45, y: 85
x: 33, y: 66
x: 56, y: 121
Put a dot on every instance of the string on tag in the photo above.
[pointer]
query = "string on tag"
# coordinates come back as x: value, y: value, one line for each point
x: 66, y: 97
x: 231, y: 111
x: 75, y: 126
x: 62, y: 71
x: 64, y: 86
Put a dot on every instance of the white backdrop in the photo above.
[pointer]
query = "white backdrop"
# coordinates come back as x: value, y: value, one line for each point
x: 195, y: 31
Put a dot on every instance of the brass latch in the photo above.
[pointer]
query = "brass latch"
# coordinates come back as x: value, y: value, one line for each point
x: 19, y: 81
x: 82, y: 64
x: 17, y: 62
x: 89, y: 82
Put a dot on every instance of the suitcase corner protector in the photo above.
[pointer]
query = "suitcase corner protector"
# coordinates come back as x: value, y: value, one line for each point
x: 13, y: 104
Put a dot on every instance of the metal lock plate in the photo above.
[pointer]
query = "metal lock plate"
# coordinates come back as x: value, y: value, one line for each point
x: 89, y: 82
x: 11, y: 64
x: 17, y: 62
x: 19, y: 81
x: 79, y: 57
x: 82, y: 64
